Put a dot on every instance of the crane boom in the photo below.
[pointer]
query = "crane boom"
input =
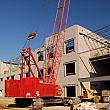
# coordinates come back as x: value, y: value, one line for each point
x: 57, y: 41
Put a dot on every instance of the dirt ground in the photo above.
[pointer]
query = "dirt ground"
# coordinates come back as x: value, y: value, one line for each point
x: 8, y: 104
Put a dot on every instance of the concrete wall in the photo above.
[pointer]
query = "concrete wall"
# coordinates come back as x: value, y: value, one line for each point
x: 71, y: 80
x: 83, y: 58
x: 7, y: 70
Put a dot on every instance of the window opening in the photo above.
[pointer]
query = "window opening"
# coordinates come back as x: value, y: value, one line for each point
x: 40, y: 56
x: 71, y: 91
x: 1, y: 79
x: 70, y: 69
x: 7, y: 78
x: 69, y: 46
x: 42, y: 71
x: 27, y: 75
x: 12, y: 77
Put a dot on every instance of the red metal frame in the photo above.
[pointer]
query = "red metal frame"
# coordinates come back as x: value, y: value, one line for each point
x: 28, y: 57
x: 57, y: 40
x: 32, y: 87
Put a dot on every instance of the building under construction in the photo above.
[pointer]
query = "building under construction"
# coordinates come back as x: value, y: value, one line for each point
x: 84, y: 65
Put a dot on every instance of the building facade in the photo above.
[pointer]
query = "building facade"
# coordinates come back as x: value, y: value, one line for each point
x: 75, y: 68
x: 7, y: 71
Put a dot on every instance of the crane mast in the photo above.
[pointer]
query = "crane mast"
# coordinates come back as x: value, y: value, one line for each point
x: 56, y: 42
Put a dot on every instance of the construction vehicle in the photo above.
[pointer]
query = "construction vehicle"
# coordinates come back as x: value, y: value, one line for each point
x: 88, y: 94
x: 40, y: 89
x: 91, y: 95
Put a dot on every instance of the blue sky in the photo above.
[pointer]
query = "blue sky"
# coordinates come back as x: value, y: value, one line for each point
x: 20, y: 17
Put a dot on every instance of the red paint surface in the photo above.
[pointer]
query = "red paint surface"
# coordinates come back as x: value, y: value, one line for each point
x: 31, y: 88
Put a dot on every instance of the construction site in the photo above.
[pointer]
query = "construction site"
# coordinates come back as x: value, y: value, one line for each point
x: 69, y: 72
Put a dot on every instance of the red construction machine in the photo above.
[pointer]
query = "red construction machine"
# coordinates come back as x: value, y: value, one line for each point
x: 31, y: 87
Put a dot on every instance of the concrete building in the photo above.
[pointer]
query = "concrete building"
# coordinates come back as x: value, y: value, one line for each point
x: 7, y: 71
x: 82, y: 64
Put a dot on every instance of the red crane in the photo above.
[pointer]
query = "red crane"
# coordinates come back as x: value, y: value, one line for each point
x: 31, y: 86
x: 56, y: 42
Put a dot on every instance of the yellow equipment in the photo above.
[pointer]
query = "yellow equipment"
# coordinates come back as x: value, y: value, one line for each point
x: 92, y: 95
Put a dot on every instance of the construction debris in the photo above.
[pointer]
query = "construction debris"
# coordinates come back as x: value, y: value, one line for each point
x: 86, y: 106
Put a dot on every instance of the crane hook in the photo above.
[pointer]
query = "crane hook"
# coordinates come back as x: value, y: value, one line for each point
x: 32, y: 35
